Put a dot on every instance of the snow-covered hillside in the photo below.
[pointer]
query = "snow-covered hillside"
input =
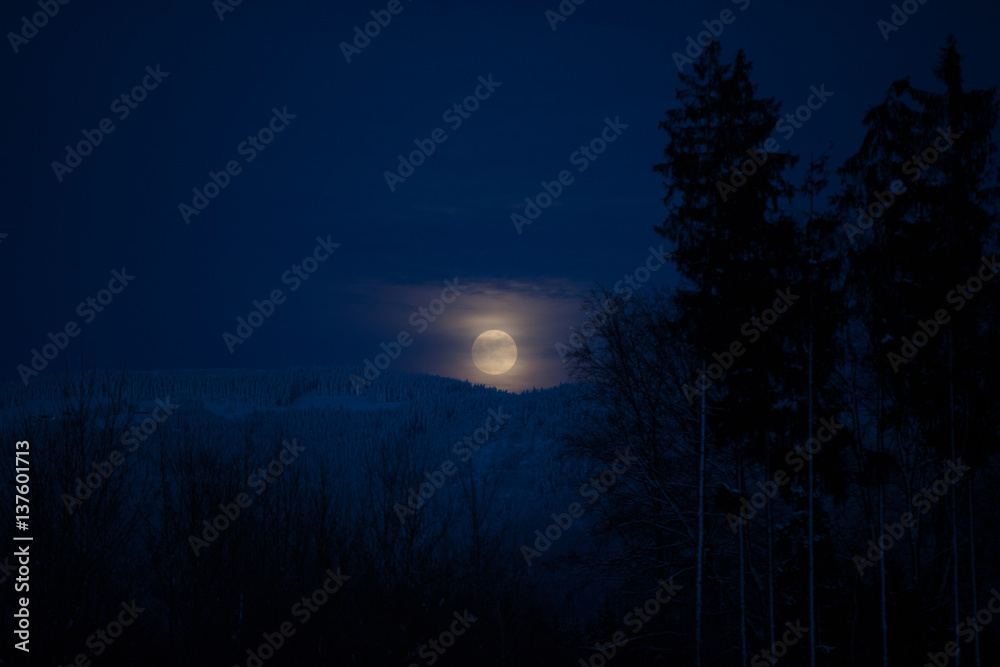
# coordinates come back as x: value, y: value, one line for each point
x: 425, y: 490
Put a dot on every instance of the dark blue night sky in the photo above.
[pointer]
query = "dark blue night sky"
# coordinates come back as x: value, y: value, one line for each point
x: 223, y: 75
x: 535, y: 333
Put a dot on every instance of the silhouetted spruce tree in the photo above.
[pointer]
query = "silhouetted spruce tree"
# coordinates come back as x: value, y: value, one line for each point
x: 734, y: 245
x: 885, y: 275
x: 957, y: 197
x: 806, y: 368
x: 913, y: 244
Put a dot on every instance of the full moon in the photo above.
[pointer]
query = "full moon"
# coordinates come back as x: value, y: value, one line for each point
x: 494, y: 352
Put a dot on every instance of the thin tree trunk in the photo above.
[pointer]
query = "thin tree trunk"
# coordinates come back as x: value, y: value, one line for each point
x: 701, y: 531
x: 954, y: 495
x: 970, y: 494
x: 812, y: 527
x: 881, y: 522
x: 743, y: 596
x: 972, y: 561
x: 770, y: 557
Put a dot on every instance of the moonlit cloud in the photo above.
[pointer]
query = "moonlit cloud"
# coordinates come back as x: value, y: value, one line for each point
x: 537, y: 314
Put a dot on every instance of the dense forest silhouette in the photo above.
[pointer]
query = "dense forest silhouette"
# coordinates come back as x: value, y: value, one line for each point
x: 790, y: 457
